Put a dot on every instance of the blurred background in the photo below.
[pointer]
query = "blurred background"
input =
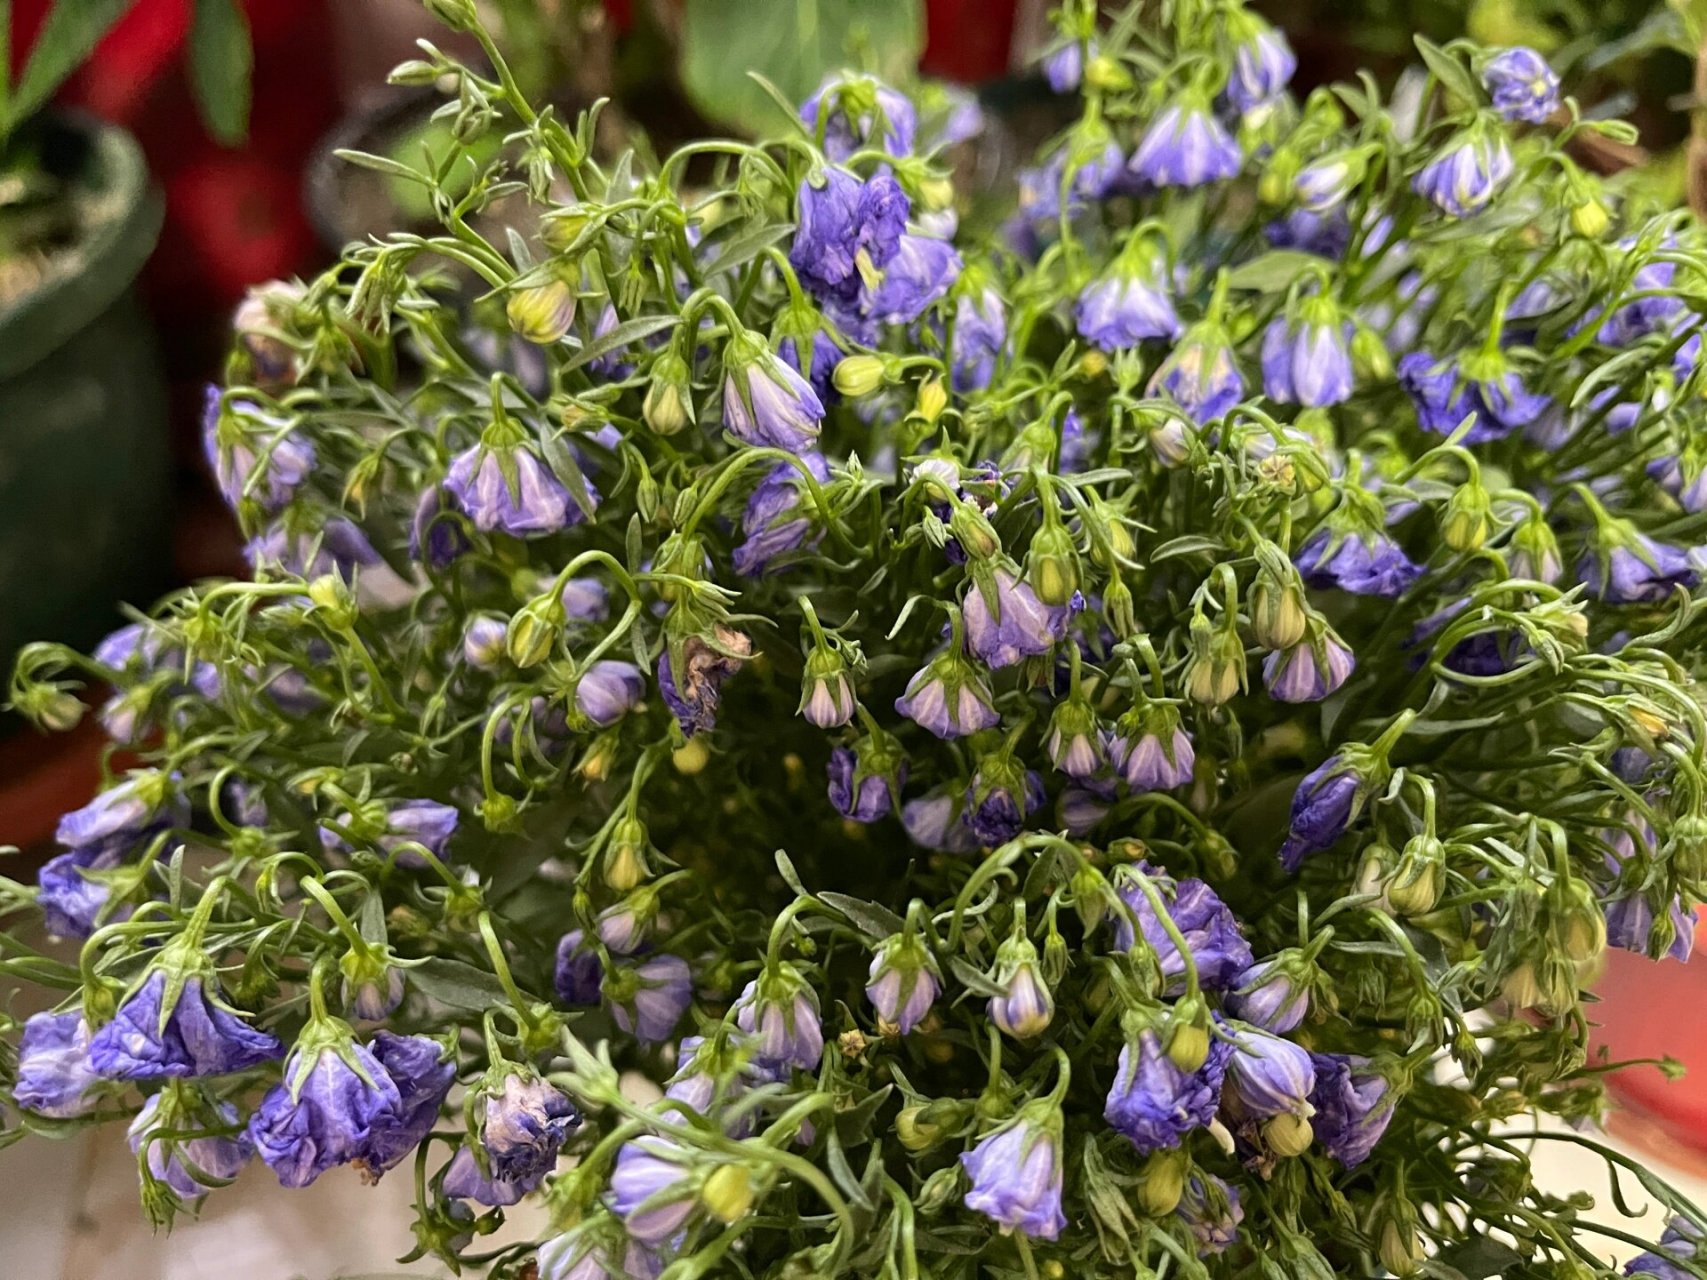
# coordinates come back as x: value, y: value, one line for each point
x: 159, y: 158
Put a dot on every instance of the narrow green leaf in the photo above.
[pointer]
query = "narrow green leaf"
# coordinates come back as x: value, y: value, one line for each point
x: 380, y: 164
x: 458, y: 985
x: 625, y: 334
x: 70, y: 34
x: 221, y: 62
x: 870, y: 918
x: 1453, y: 75
x: 1272, y: 272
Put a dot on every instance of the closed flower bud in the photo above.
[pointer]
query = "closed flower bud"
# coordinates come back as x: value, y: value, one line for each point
x: 932, y: 398
x: 1522, y: 988
x: 1579, y: 925
x: 625, y: 855
x: 1025, y: 1007
x: 541, y: 313
x: 973, y: 532
x: 1370, y: 359
x: 1188, y: 1035
x: 859, y: 375
x: 1416, y: 883
x: 1287, y: 1135
x: 1117, y: 609
x: 1216, y: 671
x: 939, y: 1189
x: 1278, y: 610
x: 52, y: 709
x: 1161, y: 1183
x: 826, y: 694
x: 916, y: 1133
x: 535, y: 629
x: 1052, y: 567
x: 668, y: 406
x: 1466, y: 519
x: 728, y: 1193
x: 1590, y: 219
x: 1398, y: 1248
x: 333, y: 601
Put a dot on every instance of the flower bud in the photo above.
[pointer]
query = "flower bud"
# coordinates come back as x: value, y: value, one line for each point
x: 1287, y: 1135
x: 1188, y: 1039
x: 372, y: 988
x: 1278, y: 175
x: 932, y: 399
x: 668, y: 406
x: 1466, y: 519
x: 1415, y: 886
x: 728, y: 1193
x: 1216, y: 671
x: 859, y: 375
x: 1052, y: 567
x: 826, y: 694
x: 1579, y: 924
x: 976, y: 536
x: 1398, y: 1248
x: 1116, y: 543
x: 940, y: 1188
x: 1521, y: 988
x: 1590, y: 219
x: 48, y: 708
x: 541, y: 313
x: 1161, y: 1183
x: 1093, y: 364
x: 1279, y: 612
x: 535, y: 629
x: 625, y: 855
x: 691, y: 757
x: 1025, y: 1007
x: 333, y: 602
x: 1370, y: 359
x: 916, y: 1133
x: 1117, y: 609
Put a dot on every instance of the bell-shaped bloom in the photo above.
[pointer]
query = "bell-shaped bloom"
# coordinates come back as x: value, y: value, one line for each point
x: 1185, y: 146
x: 860, y: 790
x: 483, y: 642
x: 337, y: 546
x: 1263, y: 64
x: 826, y: 692
x: 1123, y: 307
x: 183, y: 1163
x: 1325, y: 804
x: 124, y: 815
x: 947, y: 698
x: 1155, y: 1104
x: 766, y: 403
x: 585, y: 600
x: 507, y: 489
x: 1006, y: 622
x: 1268, y: 1076
x: 1444, y: 393
x: 1636, y: 569
x: 846, y: 227
x: 169, y: 1027
x: 779, y: 1010
x: 438, y: 533
x: 779, y: 518
x: 1522, y: 85
x: 609, y: 690
x: 921, y: 273
x: 1211, y: 1210
x: 72, y: 903
x: 1353, y: 1103
x: 980, y: 337
x: 1200, y: 374
x: 1466, y: 175
x: 1153, y: 752
x: 1266, y: 996
x: 1074, y: 745
x: 1363, y: 562
x: 578, y: 974
x: 903, y: 983
x: 936, y: 821
x: 1680, y: 1242
x: 662, y: 991
x: 1630, y: 926
x: 999, y: 798
x: 1211, y: 931
x: 694, y: 696
x: 328, y: 1110
x: 254, y: 455
x: 427, y: 823
x: 54, y: 1074
x: 652, y: 1189
x: 423, y: 1076
x: 1064, y: 65
x: 1684, y: 478
x: 1308, y: 672
x: 1306, y: 358
x: 862, y: 112
x: 1016, y: 1177
x: 1024, y: 1006
x: 819, y: 368
x: 524, y: 1124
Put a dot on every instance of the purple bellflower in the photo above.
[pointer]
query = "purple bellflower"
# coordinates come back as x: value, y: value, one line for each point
x: 1016, y: 1174
x: 1185, y: 146
x: 1522, y: 85
x: 173, y: 1026
x: 766, y: 403
x: 1465, y: 176
x: 1155, y: 1104
x: 779, y: 518
x: 1353, y: 1104
x: 1211, y: 931
x: 54, y: 1074
x: 862, y: 112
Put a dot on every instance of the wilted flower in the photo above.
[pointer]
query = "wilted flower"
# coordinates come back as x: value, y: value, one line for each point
x: 172, y: 1026
x: 1211, y: 1209
x: 1211, y: 931
x: 693, y: 699
x: 54, y: 1074
x: 921, y: 273
x: 1268, y: 1076
x: 1522, y: 85
x: 847, y: 229
x: 865, y: 786
x: 1353, y: 1103
x: 1006, y: 622
x: 578, y: 974
x: 523, y: 1124
x: 1153, y: 1102
x: 999, y: 798
x: 1016, y: 1174
x: 255, y: 456
x: 1327, y: 801
x: 1267, y: 996
x: 183, y: 1163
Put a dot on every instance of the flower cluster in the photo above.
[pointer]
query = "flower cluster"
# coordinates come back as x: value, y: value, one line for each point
x: 1108, y: 739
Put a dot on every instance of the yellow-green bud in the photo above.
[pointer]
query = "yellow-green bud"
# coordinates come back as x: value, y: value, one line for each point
x: 1216, y: 671
x: 977, y: 537
x: 915, y: 1131
x: 1590, y: 219
x: 1467, y: 518
x: 1052, y: 568
x: 1580, y: 926
x: 728, y: 1193
x: 50, y: 708
x: 859, y: 375
x: 1103, y: 72
x: 332, y: 601
x: 1188, y: 1038
x: 541, y: 313
x: 562, y: 228
x: 1370, y: 359
x: 668, y: 406
x: 691, y: 757
x: 1288, y: 1135
x: 1093, y: 364
x: 1417, y: 881
x: 534, y: 630
x: 936, y: 191
x: 625, y: 856
x: 1161, y: 1183
x: 1398, y: 1247
x: 1521, y: 988
x: 1278, y: 176
x: 1279, y: 613
x: 932, y: 399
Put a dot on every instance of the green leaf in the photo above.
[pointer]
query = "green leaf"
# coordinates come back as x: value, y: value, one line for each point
x: 220, y: 65
x: 1273, y: 272
x: 1453, y: 75
x: 1190, y: 544
x: 625, y: 334
x: 1477, y: 1259
x: 70, y: 34
x: 458, y: 985
x: 870, y: 918
x: 793, y: 46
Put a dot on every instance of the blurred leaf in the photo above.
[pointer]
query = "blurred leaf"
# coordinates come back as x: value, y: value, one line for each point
x: 220, y: 64
x: 70, y: 34
x: 791, y: 45
x: 1273, y: 272
x: 1449, y: 69
x: 1481, y: 1258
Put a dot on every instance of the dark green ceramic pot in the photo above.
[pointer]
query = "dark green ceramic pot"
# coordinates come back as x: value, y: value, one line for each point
x: 85, y: 480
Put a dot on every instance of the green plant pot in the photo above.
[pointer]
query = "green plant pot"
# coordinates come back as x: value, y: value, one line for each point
x: 85, y: 476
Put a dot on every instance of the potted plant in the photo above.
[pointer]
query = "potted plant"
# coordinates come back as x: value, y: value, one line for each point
x: 1107, y: 746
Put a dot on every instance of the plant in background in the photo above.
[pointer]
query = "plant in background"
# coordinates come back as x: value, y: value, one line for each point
x: 1110, y: 747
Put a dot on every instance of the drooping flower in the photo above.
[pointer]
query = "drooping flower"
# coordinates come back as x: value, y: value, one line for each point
x: 1522, y: 85
x: 826, y: 692
x: 173, y: 1026
x: 980, y: 337
x: 1325, y: 804
x: 1310, y: 671
x: 647, y: 1000
x: 427, y: 823
x: 947, y: 698
x: 1016, y: 1174
x: 1267, y: 996
x: 1128, y: 303
x: 125, y: 815
x: 1151, y: 751
x: 847, y: 228
x: 1185, y: 146
x: 1200, y: 374
x: 779, y: 1010
x: 1001, y: 795
x: 483, y: 642
x: 1365, y: 562
x: 1155, y: 1104
x: 578, y: 974
x: 1306, y: 357
x: 903, y: 982
x: 1480, y: 387
x: 651, y: 1189
x: 766, y: 403
x: 72, y: 902
x: 1353, y: 1102
x: 864, y: 787
x: 1210, y: 1208
x: 1064, y: 65
x: 694, y: 697
x: 308, y: 547
x: 54, y: 1074
x: 609, y: 690
x: 1679, y: 1242
x: 1630, y: 921
x: 523, y: 1125
x: 1006, y: 622
x: 1211, y: 931
x: 1263, y: 63
x: 610, y: 365
x: 182, y: 1163
x: 503, y: 487
x: 862, y: 112
x: 1268, y: 1076
x: 935, y: 821
x: 1684, y: 477
x: 1633, y: 568
x: 1074, y: 745
x: 1024, y: 1006
x: 779, y: 519
x: 255, y: 456
x: 438, y: 533
x: 1465, y: 176
x: 921, y: 272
